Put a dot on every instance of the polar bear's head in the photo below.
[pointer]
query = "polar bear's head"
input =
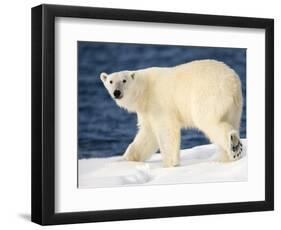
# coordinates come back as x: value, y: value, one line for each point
x: 121, y: 86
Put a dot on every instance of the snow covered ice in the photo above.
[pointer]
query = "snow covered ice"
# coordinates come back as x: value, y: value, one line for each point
x: 197, y: 165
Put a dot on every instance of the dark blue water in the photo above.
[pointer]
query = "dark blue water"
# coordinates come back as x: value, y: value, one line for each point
x: 106, y: 130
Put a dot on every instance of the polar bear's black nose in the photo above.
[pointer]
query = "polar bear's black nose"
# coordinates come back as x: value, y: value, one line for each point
x: 117, y: 93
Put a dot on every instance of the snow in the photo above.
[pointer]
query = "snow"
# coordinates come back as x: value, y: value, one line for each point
x: 197, y: 165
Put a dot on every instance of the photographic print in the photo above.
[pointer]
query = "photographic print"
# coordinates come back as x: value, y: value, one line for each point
x: 166, y: 107
x: 160, y: 114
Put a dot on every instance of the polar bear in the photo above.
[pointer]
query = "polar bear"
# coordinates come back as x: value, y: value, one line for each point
x: 202, y: 94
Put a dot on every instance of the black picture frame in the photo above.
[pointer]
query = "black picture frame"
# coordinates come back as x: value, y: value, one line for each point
x: 43, y: 114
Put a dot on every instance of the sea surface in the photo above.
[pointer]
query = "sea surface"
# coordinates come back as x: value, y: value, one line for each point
x: 106, y: 130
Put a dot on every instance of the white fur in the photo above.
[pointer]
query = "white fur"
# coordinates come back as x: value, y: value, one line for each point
x: 203, y: 94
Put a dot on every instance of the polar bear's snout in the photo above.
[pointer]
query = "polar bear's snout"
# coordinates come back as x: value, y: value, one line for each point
x: 117, y: 94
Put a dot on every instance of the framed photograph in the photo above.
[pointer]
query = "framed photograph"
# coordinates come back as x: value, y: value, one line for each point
x: 142, y: 114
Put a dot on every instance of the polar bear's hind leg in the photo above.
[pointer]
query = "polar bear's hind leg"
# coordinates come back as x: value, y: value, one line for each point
x: 226, y: 138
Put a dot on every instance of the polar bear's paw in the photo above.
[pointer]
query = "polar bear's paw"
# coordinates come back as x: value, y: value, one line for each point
x: 236, y: 147
x: 222, y: 158
x: 169, y: 162
x: 132, y: 155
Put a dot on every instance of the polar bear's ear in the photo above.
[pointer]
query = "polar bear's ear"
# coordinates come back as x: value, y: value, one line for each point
x: 133, y: 75
x: 103, y: 76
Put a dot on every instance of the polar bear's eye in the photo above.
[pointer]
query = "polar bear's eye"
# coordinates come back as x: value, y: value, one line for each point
x: 110, y: 82
x: 124, y: 81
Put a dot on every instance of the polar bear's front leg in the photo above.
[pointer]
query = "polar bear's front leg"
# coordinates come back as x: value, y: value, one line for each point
x: 143, y: 146
x: 168, y: 136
